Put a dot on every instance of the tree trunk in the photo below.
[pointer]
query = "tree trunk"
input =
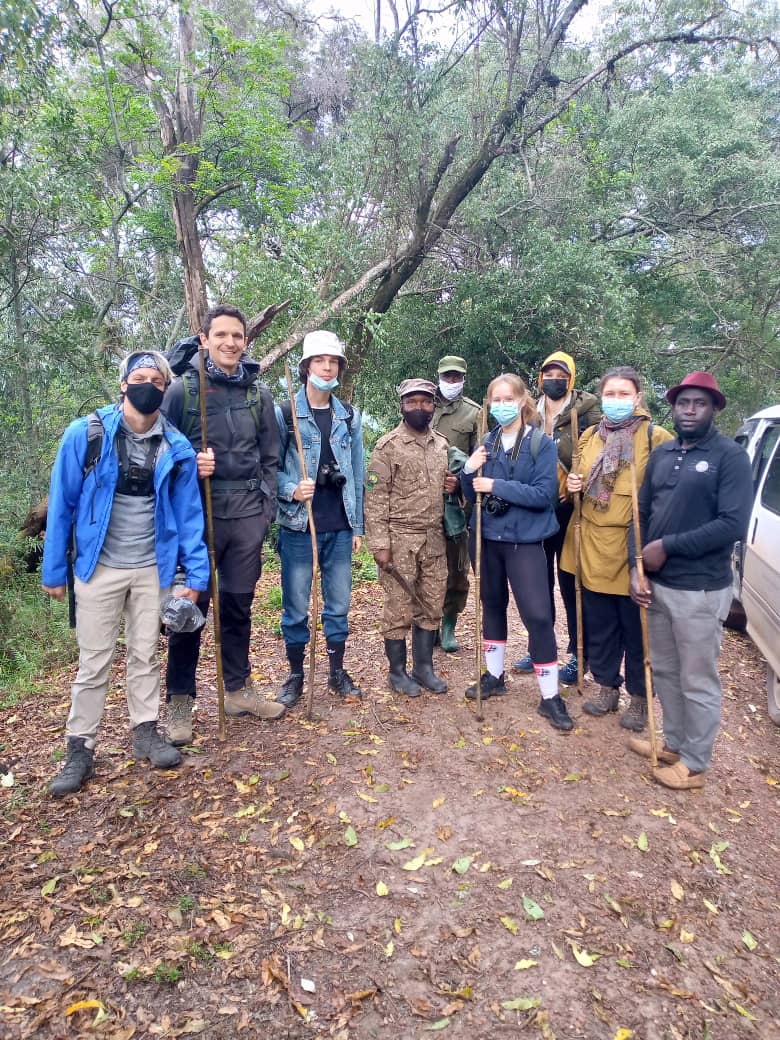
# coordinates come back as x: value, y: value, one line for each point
x: 22, y: 380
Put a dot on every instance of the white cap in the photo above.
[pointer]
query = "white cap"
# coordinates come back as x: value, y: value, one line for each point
x: 322, y: 342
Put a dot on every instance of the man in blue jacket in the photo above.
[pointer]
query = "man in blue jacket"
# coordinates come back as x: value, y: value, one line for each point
x: 332, y: 439
x: 124, y: 494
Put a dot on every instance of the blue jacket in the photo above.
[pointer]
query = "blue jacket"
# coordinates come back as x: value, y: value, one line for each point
x: 178, y: 514
x: 531, y: 490
x: 347, y: 451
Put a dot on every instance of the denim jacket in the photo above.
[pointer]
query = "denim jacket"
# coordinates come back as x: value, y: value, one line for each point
x: 347, y: 451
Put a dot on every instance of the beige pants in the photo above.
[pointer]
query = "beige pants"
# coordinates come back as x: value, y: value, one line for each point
x: 100, y: 603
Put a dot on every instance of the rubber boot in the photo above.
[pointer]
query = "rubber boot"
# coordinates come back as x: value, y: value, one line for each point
x: 422, y: 658
x: 180, y: 719
x: 399, y: 680
x: 147, y: 743
x: 79, y: 767
x: 448, y: 642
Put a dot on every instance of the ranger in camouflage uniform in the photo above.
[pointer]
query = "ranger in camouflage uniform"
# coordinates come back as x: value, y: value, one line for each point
x: 457, y: 418
x: 404, y: 509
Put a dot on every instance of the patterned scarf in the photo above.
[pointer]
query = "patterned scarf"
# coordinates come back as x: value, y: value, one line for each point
x: 215, y: 370
x: 616, y: 454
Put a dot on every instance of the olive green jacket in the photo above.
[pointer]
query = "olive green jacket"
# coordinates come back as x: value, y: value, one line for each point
x: 459, y: 422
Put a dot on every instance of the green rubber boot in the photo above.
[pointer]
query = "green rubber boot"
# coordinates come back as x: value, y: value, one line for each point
x: 447, y: 639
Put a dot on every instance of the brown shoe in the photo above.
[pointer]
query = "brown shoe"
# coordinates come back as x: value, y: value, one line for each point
x: 635, y: 715
x: 678, y: 777
x: 248, y: 701
x: 640, y: 746
x: 606, y: 700
x: 180, y: 719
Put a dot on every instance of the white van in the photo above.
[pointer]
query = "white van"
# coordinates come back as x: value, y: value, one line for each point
x: 757, y: 561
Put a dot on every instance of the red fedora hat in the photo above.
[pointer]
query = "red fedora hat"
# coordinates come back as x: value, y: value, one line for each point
x: 701, y: 381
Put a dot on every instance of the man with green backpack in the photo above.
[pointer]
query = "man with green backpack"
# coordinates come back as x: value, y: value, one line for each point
x: 241, y: 461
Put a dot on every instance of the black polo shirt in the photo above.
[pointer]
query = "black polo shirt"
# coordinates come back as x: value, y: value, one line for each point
x: 697, y: 500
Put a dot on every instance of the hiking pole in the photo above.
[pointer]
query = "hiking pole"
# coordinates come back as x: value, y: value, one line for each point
x: 314, y: 609
x: 210, y: 544
x: 575, y: 466
x: 643, y: 618
x: 478, y: 575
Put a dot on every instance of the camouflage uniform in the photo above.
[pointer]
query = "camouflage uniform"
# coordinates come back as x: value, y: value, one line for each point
x: 458, y: 421
x: 404, y: 509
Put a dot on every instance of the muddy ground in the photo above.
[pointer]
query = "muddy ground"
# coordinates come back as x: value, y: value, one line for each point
x: 391, y: 869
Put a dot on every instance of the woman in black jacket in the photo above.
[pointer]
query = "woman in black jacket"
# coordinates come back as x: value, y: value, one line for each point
x: 519, y: 487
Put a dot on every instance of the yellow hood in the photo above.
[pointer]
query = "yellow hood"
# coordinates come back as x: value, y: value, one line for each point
x: 565, y: 360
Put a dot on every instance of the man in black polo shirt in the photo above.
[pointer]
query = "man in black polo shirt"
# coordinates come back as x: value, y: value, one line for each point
x: 694, y: 504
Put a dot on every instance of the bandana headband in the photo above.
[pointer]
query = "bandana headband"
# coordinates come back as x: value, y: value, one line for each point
x: 142, y: 361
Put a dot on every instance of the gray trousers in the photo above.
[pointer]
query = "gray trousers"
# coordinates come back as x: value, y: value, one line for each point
x: 685, y: 629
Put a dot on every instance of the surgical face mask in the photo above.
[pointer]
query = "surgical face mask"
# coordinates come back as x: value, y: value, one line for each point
x: 146, y: 398
x: 418, y: 419
x: 555, y: 389
x: 323, y: 384
x: 617, y: 409
x: 505, y: 412
x: 449, y: 391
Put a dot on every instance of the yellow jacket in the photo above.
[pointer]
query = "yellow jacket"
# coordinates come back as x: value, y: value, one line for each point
x: 604, y: 533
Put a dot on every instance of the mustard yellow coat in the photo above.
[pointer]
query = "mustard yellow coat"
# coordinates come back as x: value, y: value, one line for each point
x: 604, y: 534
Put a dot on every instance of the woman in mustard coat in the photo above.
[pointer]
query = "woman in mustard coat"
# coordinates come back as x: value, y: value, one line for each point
x: 610, y: 618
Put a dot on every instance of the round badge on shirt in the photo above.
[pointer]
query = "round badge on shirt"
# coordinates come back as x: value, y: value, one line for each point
x: 703, y: 466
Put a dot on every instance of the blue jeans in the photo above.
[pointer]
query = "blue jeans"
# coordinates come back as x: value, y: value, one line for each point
x: 335, y: 553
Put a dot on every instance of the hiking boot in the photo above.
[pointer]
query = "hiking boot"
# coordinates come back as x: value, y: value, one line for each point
x: 79, y: 767
x: 525, y: 665
x: 635, y: 715
x: 492, y: 686
x: 422, y: 657
x: 678, y: 777
x: 180, y: 719
x: 642, y: 747
x: 607, y: 699
x: 567, y: 676
x: 554, y: 709
x: 447, y: 640
x: 291, y: 691
x: 147, y: 743
x: 341, y: 683
x: 249, y: 701
x: 395, y: 649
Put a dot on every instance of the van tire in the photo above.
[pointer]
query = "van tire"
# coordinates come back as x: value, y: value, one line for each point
x: 773, y: 694
x: 736, y: 619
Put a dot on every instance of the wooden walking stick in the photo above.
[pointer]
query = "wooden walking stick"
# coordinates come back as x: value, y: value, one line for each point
x: 210, y: 544
x: 478, y: 573
x: 643, y: 618
x: 575, y: 466
x: 314, y: 608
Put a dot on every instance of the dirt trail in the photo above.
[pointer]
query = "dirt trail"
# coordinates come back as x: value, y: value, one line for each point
x: 393, y: 869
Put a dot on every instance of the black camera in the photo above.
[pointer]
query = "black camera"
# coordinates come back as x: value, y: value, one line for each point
x: 330, y: 475
x: 495, y: 506
x: 140, y: 479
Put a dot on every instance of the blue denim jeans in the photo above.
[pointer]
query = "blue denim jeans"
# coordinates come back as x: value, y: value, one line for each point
x: 335, y: 553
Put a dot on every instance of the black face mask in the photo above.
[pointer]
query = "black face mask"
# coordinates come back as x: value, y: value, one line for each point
x: 555, y: 389
x: 146, y: 398
x: 418, y: 419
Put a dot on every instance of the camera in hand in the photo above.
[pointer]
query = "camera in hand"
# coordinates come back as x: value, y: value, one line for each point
x: 495, y: 506
x: 330, y: 475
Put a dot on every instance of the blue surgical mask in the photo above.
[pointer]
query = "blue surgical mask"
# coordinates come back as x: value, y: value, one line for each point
x: 323, y: 384
x: 616, y: 410
x: 505, y: 413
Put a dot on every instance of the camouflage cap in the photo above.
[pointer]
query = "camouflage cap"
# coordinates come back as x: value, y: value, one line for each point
x: 452, y: 363
x: 416, y: 386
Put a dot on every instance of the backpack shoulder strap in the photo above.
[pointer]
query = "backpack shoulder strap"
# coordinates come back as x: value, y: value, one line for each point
x: 536, y: 442
x: 255, y: 404
x: 191, y: 404
x: 95, y: 433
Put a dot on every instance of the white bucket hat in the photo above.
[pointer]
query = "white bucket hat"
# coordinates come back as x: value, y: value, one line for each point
x: 322, y: 342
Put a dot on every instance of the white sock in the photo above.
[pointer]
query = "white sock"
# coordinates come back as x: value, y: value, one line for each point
x: 547, y: 677
x: 494, y: 656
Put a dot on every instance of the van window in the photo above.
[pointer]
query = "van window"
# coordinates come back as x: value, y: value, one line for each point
x: 770, y: 493
x: 763, y: 453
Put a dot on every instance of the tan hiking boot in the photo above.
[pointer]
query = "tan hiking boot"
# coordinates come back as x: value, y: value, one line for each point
x: 607, y: 699
x: 679, y: 777
x: 635, y: 715
x: 640, y: 746
x: 180, y: 719
x: 248, y: 701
